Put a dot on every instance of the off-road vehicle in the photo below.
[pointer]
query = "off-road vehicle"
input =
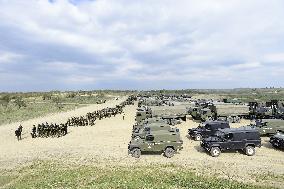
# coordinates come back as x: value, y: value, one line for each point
x: 166, y: 142
x: 269, y: 126
x: 277, y: 140
x: 243, y: 138
x: 207, y: 129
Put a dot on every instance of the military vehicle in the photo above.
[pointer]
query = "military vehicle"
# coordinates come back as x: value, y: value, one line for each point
x: 277, y: 140
x: 269, y: 126
x: 167, y: 142
x: 141, y: 124
x: 170, y: 112
x: 195, y: 112
x: 166, y: 112
x: 226, y: 112
x: 142, y: 114
x: 267, y: 110
x: 207, y: 129
x: 150, y: 127
x: 243, y: 138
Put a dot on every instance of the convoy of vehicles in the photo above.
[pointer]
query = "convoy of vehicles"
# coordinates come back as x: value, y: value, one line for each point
x: 154, y: 131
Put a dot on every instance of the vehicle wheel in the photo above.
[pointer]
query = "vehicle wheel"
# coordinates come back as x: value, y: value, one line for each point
x: 250, y: 151
x: 230, y: 119
x: 169, y: 152
x: 215, y: 151
x: 198, y: 137
x: 209, y: 119
x: 275, y: 145
x: 136, y: 152
x: 237, y: 119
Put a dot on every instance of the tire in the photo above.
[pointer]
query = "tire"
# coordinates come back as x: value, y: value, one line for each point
x: 250, y: 150
x: 237, y: 119
x: 198, y: 137
x: 169, y: 152
x: 136, y: 153
x: 230, y: 119
x: 275, y: 145
x: 215, y: 151
x: 209, y: 119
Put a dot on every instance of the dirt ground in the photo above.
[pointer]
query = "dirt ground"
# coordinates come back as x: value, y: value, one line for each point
x: 106, y: 144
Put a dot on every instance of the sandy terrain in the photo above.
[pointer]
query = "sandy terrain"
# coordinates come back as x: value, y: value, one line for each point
x: 106, y: 143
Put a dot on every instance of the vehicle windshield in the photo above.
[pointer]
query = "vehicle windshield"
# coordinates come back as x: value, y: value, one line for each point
x: 147, y: 129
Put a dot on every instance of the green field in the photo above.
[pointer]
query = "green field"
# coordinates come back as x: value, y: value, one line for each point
x: 22, y: 106
x: 60, y: 175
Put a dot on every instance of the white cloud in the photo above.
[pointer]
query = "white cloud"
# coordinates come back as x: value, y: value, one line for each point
x: 6, y: 57
x: 189, y: 40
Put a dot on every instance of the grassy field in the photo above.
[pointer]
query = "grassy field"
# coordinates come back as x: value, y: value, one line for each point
x: 59, y: 175
x: 13, y: 114
x: 22, y: 106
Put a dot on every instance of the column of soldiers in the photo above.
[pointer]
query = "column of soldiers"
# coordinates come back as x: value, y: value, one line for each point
x: 91, y: 117
x: 49, y: 130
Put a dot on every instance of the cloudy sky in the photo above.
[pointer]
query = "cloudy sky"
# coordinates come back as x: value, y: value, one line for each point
x: 125, y: 44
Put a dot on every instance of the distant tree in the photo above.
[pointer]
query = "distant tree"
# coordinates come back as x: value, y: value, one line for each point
x: 71, y: 95
x: 20, y: 102
x: 58, y: 102
x: 46, y: 96
x: 5, y: 100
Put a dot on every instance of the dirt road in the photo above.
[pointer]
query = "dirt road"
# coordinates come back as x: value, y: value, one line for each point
x: 106, y: 144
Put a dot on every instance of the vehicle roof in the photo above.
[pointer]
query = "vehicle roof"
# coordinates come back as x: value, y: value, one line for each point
x: 272, y: 120
x: 279, y: 135
x: 215, y: 122
x: 237, y: 130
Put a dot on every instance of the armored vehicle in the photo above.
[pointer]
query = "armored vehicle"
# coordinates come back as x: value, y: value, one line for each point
x: 141, y: 133
x: 277, y: 140
x: 167, y: 142
x: 142, y: 114
x: 269, y: 126
x: 141, y: 124
x: 207, y: 129
x: 243, y: 138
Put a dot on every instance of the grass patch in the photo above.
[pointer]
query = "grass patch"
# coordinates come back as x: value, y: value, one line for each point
x: 32, y: 110
x: 57, y: 175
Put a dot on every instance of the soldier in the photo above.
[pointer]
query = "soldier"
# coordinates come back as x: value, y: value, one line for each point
x: 18, y: 133
x: 33, y: 132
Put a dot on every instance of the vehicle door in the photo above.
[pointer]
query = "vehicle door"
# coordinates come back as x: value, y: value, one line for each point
x: 230, y: 143
x: 149, y: 143
x: 207, y: 131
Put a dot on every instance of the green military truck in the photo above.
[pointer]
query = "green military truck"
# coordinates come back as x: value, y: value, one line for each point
x: 269, y: 126
x: 166, y: 112
x: 225, y: 112
x: 166, y: 142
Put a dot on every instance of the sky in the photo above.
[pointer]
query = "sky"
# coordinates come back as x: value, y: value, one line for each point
x: 150, y: 44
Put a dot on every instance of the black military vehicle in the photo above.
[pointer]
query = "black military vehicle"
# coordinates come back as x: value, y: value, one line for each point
x: 243, y: 138
x: 277, y: 140
x: 207, y: 129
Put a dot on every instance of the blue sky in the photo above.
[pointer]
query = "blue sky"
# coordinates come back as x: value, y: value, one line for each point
x: 123, y: 44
